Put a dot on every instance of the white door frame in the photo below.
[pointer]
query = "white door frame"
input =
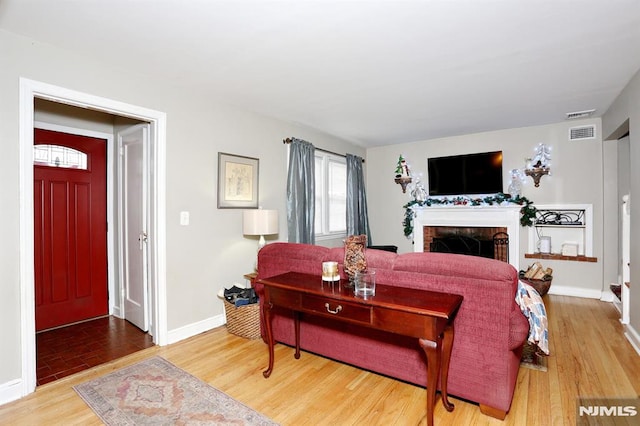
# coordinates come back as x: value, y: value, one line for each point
x: 30, y: 89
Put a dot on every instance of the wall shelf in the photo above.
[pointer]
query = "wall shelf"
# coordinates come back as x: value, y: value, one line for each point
x: 560, y: 257
x: 564, y: 223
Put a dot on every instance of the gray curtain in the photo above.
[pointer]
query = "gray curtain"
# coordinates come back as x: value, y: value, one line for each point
x: 357, y: 217
x: 301, y: 201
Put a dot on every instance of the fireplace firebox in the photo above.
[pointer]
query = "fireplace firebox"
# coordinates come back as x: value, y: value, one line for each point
x: 490, y: 242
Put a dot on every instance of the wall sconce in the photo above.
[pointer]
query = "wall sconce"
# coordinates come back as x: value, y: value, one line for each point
x: 403, y: 175
x: 539, y: 165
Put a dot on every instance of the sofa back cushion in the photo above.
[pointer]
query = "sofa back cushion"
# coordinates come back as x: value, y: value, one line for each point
x: 434, y: 271
x: 278, y: 258
x: 455, y: 265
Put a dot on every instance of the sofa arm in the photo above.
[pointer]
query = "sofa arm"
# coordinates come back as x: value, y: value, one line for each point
x: 518, y: 329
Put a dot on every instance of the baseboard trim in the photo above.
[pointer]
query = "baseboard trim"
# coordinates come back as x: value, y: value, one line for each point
x: 608, y: 296
x: 117, y: 312
x: 633, y: 337
x: 11, y: 391
x: 195, y: 328
x: 575, y: 292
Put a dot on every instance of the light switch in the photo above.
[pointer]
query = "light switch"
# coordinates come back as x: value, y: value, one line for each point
x: 184, y: 218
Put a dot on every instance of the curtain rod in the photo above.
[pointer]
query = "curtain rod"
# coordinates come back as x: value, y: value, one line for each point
x: 289, y: 140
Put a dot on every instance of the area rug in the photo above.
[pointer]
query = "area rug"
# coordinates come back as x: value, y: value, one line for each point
x: 531, y: 359
x: 157, y: 392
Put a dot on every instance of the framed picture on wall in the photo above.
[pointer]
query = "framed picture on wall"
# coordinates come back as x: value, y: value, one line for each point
x: 237, y: 182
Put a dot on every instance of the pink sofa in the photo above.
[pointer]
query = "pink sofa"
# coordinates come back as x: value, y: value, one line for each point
x: 489, y: 329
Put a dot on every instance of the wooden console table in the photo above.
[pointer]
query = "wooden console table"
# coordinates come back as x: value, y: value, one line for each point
x: 425, y: 315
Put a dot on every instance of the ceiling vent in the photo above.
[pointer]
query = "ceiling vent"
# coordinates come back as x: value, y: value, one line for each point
x: 582, y: 133
x: 580, y: 114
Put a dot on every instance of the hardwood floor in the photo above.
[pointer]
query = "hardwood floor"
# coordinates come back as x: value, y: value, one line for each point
x: 68, y: 350
x: 589, y: 357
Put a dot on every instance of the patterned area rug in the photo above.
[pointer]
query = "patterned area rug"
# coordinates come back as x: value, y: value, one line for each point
x: 157, y: 392
x: 531, y: 359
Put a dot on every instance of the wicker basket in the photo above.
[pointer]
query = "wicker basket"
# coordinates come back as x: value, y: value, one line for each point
x: 541, y: 286
x: 243, y: 321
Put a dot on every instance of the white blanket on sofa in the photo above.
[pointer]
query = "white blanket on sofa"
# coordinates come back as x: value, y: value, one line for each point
x: 532, y: 307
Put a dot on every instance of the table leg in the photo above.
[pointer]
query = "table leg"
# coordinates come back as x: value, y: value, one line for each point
x: 296, y: 321
x: 266, y: 314
x: 433, y: 351
x: 447, y: 345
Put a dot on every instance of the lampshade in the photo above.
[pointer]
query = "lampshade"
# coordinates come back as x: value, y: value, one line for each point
x: 260, y: 222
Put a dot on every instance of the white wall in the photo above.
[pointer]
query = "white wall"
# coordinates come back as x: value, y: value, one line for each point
x: 623, y: 113
x: 577, y: 178
x: 201, y: 258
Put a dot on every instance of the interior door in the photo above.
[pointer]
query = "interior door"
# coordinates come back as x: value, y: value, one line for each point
x: 133, y: 146
x: 70, y: 228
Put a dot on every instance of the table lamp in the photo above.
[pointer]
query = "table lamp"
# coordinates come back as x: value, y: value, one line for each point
x: 260, y: 222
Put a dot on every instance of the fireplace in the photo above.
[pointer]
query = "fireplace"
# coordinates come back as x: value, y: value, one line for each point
x: 477, y: 222
x: 490, y: 242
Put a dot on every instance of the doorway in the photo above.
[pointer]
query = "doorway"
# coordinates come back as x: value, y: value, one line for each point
x: 29, y: 91
x: 75, y: 323
x: 617, y: 187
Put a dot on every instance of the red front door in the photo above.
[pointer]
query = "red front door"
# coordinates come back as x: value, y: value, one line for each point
x: 70, y: 229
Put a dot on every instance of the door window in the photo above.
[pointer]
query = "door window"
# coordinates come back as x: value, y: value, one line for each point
x: 59, y: 156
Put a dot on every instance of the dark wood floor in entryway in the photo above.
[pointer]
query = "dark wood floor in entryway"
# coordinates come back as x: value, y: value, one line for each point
x: 65, y: 351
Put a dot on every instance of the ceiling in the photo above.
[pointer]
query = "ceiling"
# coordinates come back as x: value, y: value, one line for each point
x: 371, y: 72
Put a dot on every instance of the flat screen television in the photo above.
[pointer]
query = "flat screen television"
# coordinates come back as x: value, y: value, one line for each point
x: 468, y: 174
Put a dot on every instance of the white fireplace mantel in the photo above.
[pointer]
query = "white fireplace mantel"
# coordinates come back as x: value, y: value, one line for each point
x: 470, y: 216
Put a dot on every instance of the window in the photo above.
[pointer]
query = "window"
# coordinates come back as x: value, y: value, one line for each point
x: 331, y: 196
x: 59, y: 156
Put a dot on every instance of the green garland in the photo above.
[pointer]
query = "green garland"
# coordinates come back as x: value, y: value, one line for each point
x: 527, y: 212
